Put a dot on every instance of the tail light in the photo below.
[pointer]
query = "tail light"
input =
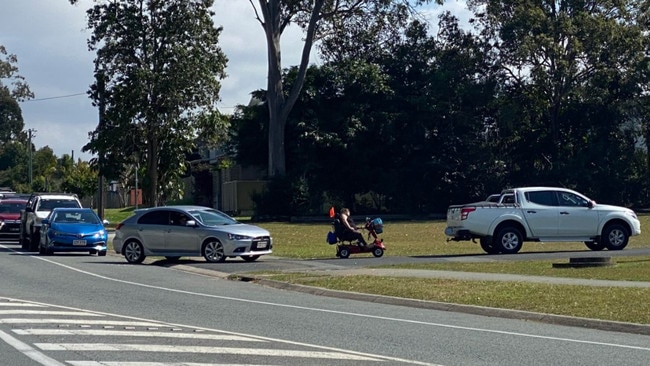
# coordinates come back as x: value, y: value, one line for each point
x: 119, y: 226
x: 464, y: 212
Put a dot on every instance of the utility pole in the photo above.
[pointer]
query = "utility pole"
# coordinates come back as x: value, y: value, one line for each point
x: 30, y: 134
x: 100, y: 158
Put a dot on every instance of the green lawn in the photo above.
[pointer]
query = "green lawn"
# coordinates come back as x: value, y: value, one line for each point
x: 426, y: 238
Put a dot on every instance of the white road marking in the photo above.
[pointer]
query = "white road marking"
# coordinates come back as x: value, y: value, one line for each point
x: 94, y: 347
x: 117, y: 363
x: 29, y: 351
x: 46, y: 312
x: 76, y: 321
x: 20, y: 304
x: 128, y: 333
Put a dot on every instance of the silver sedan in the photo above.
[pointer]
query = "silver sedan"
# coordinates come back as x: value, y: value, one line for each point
x: 189, y: 231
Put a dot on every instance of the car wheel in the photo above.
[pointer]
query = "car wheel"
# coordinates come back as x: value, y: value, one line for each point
x: 509, y: 240
x: 594, y: 245
x: 488, y: 246
x: 377, y: 252
x: 344, y: 252
x: 214, y: 252
x: 134, y: 252
x: 34, y: 241
x: 250, y: 258
x: 92, y: 252
x: 615, y: 237
x: 24, y: 244
x: 101, y: 253
x: 172, y: 259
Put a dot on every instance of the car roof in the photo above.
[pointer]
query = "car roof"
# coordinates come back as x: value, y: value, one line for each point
x: 72, y: 209
x: 58, y: 196
x: 177, y: 207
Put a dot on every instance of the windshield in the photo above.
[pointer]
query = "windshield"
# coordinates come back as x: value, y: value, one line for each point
x: 49, y: 205
x: 212, y: 217
x: 75, y: 217
x: 11, y: 207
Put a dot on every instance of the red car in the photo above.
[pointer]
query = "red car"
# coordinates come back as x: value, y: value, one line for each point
x: 10, y: 216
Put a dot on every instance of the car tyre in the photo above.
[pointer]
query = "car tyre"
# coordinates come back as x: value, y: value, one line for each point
x: 250, y: 258
x: 214, y: 252
x: 134, y: 252
x: 91, y: 252
x: 101, y: 253
x: 615, y: 237
x: 487, y: 244
x: 509, y: 240
x: 594, y: 245
x: 344, y: 252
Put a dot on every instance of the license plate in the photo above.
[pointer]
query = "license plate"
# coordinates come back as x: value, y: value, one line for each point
x: 78, y: 242
x: 262, y: 245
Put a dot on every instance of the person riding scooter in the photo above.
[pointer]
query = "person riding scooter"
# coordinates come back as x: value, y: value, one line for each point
x: 347, y: 230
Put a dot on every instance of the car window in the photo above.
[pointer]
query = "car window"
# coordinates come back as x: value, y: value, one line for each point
x: 50, y: 204
x: 545, y: 198
x: 11, y: 207
x: 570, y: 199
x: 159, y: 217
x: 74, y: 217
x: 212, y: 217
x: 178, y: 218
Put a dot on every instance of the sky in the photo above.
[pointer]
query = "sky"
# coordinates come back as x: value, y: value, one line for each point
x: 49, y: 37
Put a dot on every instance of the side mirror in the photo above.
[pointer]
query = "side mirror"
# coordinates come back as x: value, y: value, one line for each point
x: 105, y: 222
x: 591, y: 204
x: 190, y: 223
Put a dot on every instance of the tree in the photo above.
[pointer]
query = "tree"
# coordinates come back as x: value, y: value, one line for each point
x: 81, y: 178
x: 570, y: 69
x: 13, y: 89
x: 157, y: 72
x: 275, y: 16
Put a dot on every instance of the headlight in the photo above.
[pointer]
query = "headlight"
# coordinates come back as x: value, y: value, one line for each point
x: 238, y: 237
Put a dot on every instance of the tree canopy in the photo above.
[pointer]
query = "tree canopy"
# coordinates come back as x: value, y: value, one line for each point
x: 157, y: 69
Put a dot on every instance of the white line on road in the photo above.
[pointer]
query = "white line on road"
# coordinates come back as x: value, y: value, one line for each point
x: 94, y: 347
x: 118, y: 363
x: 128, y: 333
x: 77, y: 321
x: 46, y: 312
x: 29, y: 351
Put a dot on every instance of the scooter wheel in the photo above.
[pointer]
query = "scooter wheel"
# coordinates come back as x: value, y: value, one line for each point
x: 344, y: 253
x: 377, y: 252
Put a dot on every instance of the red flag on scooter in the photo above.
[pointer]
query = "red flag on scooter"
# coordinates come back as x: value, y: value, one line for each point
x: 332, y: 212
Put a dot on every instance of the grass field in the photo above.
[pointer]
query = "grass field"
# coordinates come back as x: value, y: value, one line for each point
x: 426, y: 238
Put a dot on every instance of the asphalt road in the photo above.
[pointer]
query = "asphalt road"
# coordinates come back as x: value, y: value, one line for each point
x: 162, y: 315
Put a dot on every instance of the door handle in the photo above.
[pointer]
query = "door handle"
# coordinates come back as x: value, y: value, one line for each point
x: 531, y: 211
x: 564, y: 213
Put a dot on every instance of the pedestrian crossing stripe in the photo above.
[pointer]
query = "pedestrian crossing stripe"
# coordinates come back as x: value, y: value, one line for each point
x: 96, y: 347
x: 129, y: 333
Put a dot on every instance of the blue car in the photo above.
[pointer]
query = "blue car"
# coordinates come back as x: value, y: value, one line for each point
x: 73, y: 230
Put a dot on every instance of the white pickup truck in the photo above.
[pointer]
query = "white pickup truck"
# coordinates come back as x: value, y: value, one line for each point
x: 541, y: 214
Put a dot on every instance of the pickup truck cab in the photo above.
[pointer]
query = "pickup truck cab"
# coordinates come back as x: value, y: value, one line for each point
x: 541, y: 214
x: 38, y: 207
